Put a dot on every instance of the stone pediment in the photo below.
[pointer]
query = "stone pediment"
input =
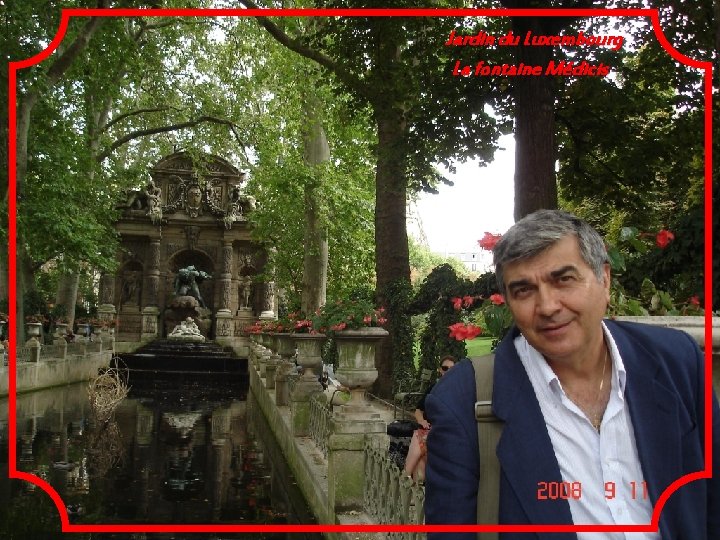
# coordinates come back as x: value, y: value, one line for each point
x: 196, y: 186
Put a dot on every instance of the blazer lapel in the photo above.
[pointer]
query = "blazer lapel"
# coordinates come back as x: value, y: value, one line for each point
x: 525, y: 451
x: 654, y: 410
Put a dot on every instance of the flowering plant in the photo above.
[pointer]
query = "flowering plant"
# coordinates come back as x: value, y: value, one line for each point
x: 348, y: 315
x: 298, y: 323
x: 490, y: 315
x: 649, y: 300
x: 254, y: 328
x: 35, y: 318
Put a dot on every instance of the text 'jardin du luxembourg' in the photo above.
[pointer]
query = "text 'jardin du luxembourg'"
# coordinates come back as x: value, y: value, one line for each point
x: 553, y: 67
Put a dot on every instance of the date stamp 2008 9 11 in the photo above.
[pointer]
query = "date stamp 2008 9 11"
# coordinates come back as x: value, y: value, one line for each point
x: 573, y: 490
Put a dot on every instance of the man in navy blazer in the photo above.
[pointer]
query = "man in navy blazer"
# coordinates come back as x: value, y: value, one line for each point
x: 600, y: 417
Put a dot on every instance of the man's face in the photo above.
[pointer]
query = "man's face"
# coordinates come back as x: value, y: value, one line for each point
x: 557, y: 301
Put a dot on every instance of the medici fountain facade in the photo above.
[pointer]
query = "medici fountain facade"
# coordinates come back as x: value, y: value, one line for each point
x: 186, y: 250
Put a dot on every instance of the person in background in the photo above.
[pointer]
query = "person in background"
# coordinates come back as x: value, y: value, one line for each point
x: 416, y: 457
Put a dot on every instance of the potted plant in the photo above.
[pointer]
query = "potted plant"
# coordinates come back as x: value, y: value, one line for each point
x: 356, y: 327
x: 34, y: 325
x: 308, y: 340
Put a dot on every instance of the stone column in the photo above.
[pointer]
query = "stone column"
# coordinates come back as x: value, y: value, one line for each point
x: 224, y: 328
x: 153, y: 273
x: 268, y: 305
x: 106, y: 311
x: 107, y: 292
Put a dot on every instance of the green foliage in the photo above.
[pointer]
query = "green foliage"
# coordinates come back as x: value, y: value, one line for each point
x: 433, y: 298
x: 398, y: 295
x: 633, y: 291
x: 347, y: 315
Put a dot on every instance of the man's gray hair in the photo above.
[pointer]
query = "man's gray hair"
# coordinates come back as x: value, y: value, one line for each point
x: 540, y: 230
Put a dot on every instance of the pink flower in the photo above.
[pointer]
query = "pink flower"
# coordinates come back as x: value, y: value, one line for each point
x: 663, y: 238
x: 489, y: 240
x: 497, y: 299
x: 367, y: 319
x: 382, y: 320
x: 457, y: 303
x: 694, y: 300
x: 467, y: 301
x: 339, y: 326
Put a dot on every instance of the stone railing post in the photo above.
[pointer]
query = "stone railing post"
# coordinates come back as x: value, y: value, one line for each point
x: 346, y: 459
x: 272, y: 364
x: 309, y: 351
x: 286, y: 349
x: 355, y: 421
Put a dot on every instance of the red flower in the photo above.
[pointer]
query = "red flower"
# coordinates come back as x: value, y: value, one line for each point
x: 663, y: 238
x: 489, y: 240
x: 461, y: 331
x: 381, y: 320
x: 457, y: 303
x: 367, y: 319
x: 339, y: 326
x: 694, y: 300
x: 497, y: 299
x: 467, y: 301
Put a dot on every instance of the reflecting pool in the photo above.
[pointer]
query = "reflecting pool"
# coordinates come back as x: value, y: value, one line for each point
x: 186, y: 455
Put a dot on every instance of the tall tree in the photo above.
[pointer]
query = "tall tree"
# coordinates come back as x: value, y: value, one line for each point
x: 422, y: 114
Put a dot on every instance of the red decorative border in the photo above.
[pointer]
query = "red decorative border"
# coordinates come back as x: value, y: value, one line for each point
x: 706, y: 67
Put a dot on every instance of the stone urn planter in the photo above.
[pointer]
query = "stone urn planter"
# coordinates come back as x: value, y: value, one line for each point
x: 309, y: 354
x: 34, y: 329
x: 356, y: 362
x: 83, y: 329
x: 60, y: 329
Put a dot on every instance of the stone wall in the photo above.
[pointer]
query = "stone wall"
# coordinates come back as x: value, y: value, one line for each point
x: 54, y: 372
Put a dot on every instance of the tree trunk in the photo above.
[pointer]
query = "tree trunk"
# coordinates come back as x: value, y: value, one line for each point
x: 392, y: 258
x: 67, y: 294
x: 535, y: 151
x: 315, y: 257
x: 26, y: 103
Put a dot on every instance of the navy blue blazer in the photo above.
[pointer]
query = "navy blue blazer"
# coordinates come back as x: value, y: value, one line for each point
x: 664, y: 393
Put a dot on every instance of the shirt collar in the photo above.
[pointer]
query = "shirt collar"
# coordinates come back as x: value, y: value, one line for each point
x: 539, y: 364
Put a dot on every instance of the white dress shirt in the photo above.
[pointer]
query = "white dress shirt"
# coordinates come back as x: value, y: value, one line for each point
x: 604, y: 482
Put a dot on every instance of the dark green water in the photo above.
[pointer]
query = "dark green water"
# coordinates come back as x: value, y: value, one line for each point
x: 170, y: 456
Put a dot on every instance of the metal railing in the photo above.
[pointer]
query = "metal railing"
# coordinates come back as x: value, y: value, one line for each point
x: 320, y: 415
x: 23, y: 354
x: 391, y: 497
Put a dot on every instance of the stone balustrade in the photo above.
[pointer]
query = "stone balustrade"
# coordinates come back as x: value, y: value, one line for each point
x: 341, y: 458
x: 42, y: 366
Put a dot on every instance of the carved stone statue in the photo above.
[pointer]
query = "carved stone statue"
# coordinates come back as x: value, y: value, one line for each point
x: 245, y: 287
x: 187, y: 283
x: 130, y: 288
x: 187, y: 330
x: 152, y: 197
x: 238, y: 205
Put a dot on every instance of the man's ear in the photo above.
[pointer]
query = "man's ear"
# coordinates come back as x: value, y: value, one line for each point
x: 606, y: 280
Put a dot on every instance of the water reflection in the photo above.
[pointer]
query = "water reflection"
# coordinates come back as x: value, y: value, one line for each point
x: 162, y: 459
